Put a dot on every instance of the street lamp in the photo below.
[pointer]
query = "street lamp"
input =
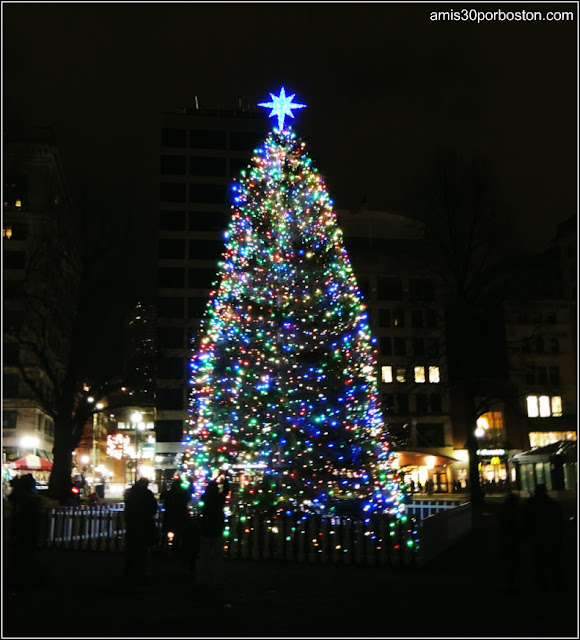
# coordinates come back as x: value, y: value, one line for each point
x: 30, y: 442
x: 136, y: 420
x: 479, y: 434
x: 98, y: 407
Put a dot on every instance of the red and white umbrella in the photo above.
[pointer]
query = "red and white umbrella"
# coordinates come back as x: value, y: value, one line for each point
x: 31, y: 463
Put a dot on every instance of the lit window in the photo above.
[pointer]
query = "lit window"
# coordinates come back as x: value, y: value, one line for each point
x: 401, y: 374
x: 482, y: 423
x: 532, y: 402
x: 419, y: 374
x: 434, y: 374
x: 18, y: 203
x: 387, y: 373
x: 544, y: 406
x: 7, y: 232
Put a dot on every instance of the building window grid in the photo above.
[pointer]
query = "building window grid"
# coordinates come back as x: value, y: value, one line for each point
x: 430, y: 373
x: 544, y: 406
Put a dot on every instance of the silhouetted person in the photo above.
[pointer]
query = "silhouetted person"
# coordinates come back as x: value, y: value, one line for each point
x: 212, y: 526
x: 74, y: 494
x: 140, y: 529
x: 176, y: 515
x: 511, y: 532
x: 543, y: 526
x: 191, y: 543
x: 25, y: 528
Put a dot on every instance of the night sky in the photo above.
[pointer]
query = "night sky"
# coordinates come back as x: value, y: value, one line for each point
x: 385, y: 88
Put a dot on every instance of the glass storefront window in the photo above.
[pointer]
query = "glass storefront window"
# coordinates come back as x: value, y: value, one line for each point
x: 571, y: 475
x: 543, y: 438
x: 539, y: 468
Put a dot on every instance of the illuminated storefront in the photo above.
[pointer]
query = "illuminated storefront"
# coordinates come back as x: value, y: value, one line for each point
x: 417, y: 468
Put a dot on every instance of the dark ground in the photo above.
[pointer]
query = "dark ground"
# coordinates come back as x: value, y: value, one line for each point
x: 460, y: 594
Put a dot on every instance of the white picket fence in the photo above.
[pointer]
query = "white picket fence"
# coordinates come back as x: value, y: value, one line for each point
x: 85, y: 528
x: 379, y: 540
x: 421, y: 509
x: 300, y: 538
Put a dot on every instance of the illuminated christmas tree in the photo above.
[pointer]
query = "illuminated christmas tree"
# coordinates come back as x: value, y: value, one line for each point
x: 283, y: 376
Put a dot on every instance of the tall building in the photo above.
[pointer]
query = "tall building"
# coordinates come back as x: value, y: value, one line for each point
x: 395, y: 274
x: 35, y: 197
x: 541, y: 342
x: 566, y: 241
x: 141, y: 353
x: 201, y: 151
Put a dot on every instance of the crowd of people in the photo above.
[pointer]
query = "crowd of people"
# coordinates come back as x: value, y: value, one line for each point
x: 190, y: 537
x: 194, y: 539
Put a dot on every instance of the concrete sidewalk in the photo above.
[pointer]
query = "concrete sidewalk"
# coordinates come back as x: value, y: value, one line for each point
x: 461, y: 593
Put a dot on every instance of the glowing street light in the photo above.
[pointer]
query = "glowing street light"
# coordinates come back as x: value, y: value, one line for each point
x: 479, y: 434
x: 136, y: 419
x: 30, y: 442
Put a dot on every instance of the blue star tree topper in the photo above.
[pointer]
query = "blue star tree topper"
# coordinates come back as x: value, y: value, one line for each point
x: 281, y: 106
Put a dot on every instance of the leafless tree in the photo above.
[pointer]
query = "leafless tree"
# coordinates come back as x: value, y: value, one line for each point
x: 468, y: 232
x: 71, y: 265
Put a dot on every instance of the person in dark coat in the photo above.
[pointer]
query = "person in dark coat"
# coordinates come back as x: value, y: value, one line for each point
x: 176, y: 514
x: 511, y: 532
x: 212, y: 526
x: 191, y: 543
x: 24, y: 523
x: 543, y: 527
x: 140, y: 529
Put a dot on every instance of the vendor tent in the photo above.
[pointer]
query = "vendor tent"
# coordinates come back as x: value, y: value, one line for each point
x: 31, y: 463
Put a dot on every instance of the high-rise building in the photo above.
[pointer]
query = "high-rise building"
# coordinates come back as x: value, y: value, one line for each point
x: 35, y: 200
x: 201, y: 151
x: 140, y: 354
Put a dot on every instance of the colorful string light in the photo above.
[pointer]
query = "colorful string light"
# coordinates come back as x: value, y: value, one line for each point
x: 283, y: 385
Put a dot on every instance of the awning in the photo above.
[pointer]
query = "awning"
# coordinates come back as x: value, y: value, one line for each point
x: 565, y: 450
x: 30, y: 463
x: 419, y: 458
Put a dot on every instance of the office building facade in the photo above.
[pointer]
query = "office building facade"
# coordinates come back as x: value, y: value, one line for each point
x: 36, y: 200
x: 201, y: 151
